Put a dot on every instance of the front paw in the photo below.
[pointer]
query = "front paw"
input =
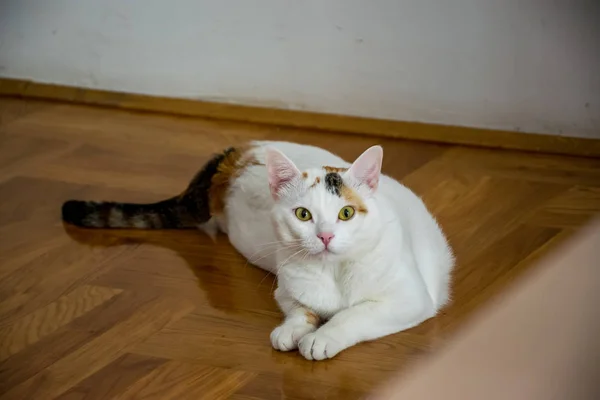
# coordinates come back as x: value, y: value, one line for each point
x: 319, y: 346
x: 287, y: 335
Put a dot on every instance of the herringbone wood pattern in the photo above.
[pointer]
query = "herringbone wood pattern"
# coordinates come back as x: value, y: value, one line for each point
x: 169, y: 314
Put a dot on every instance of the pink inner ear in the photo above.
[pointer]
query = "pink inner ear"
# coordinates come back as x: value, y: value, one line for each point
x: 279, y: 177
x: 367, y: 167
x: 281, y: 171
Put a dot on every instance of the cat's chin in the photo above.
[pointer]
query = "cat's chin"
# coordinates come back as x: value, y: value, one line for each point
x: 324, y: 255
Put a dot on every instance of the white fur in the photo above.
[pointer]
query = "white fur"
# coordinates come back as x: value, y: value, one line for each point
x: 388, y: 269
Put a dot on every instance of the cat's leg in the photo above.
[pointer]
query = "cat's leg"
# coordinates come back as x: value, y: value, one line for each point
x: 298, y: 322
x: 365, y: 321
x: 211, y: 228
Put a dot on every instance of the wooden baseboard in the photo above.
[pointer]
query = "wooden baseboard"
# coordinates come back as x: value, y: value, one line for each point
x: 304, y: 119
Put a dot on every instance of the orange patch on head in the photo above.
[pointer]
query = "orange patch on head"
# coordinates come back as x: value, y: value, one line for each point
x: 232, y: 165
x: 317, y: 181
x: 334, y: 169
x: 353, y: 199
x: 305, y: 175
x: 312, y: 318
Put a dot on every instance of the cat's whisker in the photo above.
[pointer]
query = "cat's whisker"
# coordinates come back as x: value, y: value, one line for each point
x: 287, y: 259
x: 267, y: 245
x: 265, y: 277
x: 279, y: 242
x: 279, y: 245
x: 278, y: 268
x: 305, y: 256
x: 285, y: 262
x: 291, y: 247
x: 272, y: 290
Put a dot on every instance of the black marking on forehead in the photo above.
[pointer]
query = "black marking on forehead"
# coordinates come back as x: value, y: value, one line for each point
x: 333, y: 183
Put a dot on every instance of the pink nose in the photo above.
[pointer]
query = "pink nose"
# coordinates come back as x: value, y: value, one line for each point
x: 325, y: 238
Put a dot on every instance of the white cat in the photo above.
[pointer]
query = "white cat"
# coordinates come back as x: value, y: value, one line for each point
x: 357, y: 255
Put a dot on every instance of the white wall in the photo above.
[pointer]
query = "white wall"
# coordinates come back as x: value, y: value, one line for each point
x: 524, y: 65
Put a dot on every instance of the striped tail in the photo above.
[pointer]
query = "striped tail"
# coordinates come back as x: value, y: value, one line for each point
x: 203, y: 198
x: 167, y: 214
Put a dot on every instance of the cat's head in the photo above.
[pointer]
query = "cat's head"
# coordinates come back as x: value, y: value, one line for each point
x: 326, y: 212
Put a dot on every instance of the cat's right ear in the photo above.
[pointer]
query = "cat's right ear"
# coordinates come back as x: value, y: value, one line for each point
x: 281, y: 170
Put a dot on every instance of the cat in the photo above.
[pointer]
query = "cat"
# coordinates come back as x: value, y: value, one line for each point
x: 357, y: 255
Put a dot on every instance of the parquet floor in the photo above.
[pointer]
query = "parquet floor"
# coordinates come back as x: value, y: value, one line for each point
x: 169, y: 315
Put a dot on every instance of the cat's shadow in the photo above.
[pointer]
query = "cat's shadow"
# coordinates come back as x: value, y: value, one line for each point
x: 224, y: 276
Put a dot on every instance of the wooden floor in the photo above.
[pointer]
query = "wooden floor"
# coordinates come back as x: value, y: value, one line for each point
x: 169, y: 315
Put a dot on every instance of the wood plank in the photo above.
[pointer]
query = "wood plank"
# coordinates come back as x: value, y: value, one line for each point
x: 123, y: 168
x: 12, y: 111
x: 525, y: 166
x: 46, y: 278
x: 304, y: 119
x: 290, y: 387
x: 572, y: 209
x: 46, y: 320
x: 114, y: 378
x: 18, y: 153
x: 52, y: 348
x: 461, y: 201
x: 180, y: 380
x: 102, y: 350
x: 475, y: 282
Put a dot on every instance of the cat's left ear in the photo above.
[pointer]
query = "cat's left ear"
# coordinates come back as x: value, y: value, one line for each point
x: 367, y: 167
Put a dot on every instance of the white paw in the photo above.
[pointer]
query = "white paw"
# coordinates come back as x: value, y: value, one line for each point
x: 319, y: 346
x: 286, y: 336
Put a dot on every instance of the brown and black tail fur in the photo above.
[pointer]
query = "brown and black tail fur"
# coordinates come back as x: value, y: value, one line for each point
x: 188, y: 210
x: 167, y: 214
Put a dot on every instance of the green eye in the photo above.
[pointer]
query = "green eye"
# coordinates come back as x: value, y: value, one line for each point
x: 303, y: 214
x: 346, y: 213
